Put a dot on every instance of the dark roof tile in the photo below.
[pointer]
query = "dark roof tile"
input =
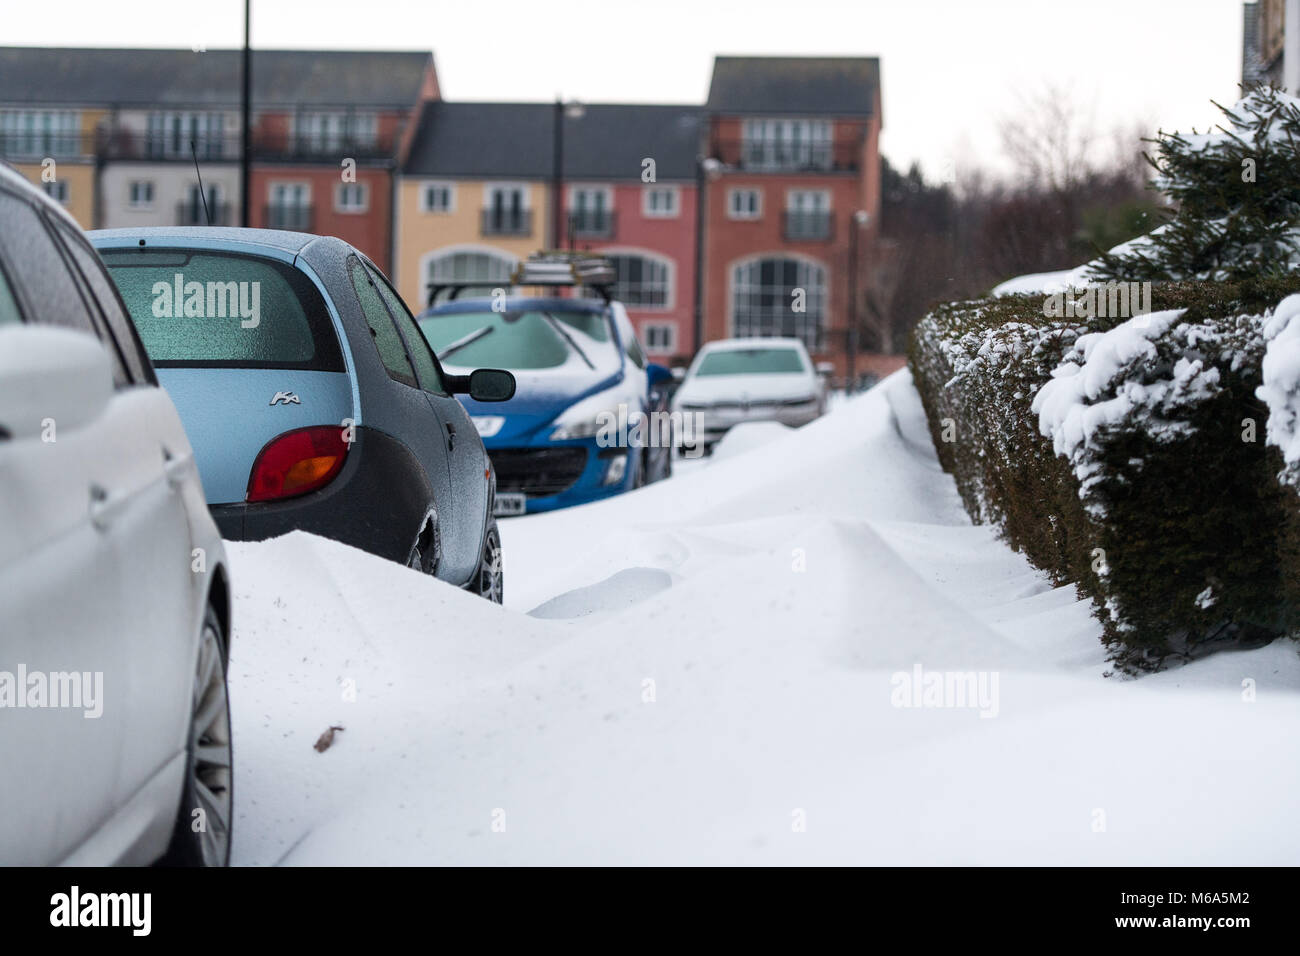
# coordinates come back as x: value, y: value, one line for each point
x: 831, y: 86
x: 48, y: 76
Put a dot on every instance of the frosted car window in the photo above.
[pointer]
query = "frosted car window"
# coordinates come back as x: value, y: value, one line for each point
x: 382, y: 330
x: 416, y: 345
x: 134, y: 368
x: 224, y: 310
x: 756, y: 361
x: 517, y: 340
x: 8, y: 307
x: 36, y: 267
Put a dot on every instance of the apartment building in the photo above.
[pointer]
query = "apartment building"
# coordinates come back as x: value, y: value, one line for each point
x: 479, y: 192
x: 792, y: 198
x: 132, y: 132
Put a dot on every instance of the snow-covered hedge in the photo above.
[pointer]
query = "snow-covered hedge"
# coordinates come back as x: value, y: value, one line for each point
x: 1136, y: 458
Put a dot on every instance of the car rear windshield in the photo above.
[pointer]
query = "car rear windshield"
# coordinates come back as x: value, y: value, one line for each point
x: 756, y: 361
x: 520, y: 339
x: 224, y: 310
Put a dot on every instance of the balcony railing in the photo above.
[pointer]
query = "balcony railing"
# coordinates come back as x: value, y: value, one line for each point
x: 592, y: 223
x: 270, y: 144
x: 766, y: 156
x: 507, y: 222
x: 267, y: 145
x: 807, y: 226
x: 32, y: 147
x: 192, y: 214
x: 131, y: 144
x: 294, y: 217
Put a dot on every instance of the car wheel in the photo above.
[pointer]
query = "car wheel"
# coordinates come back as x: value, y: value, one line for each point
x: 203, y: 823
x: 489, y: 579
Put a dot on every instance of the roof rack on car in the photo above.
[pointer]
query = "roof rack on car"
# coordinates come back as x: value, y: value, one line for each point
x: 546, y: 268
x: 567, y: 269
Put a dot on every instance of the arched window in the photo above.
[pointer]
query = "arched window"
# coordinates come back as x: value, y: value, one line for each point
x: 781, y: 297
x: 490, y: 268
x: 643, y: 282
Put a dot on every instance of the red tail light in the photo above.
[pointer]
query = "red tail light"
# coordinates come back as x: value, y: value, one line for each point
x: 297, y: 462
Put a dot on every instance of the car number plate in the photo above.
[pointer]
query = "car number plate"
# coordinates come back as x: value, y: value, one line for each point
x: 510, y: 503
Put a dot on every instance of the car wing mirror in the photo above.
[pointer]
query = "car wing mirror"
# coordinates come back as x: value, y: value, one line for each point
x: 485, y: 385
x: 51, y: 375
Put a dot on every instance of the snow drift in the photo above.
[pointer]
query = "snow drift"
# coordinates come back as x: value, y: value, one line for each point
x: 719, y: 669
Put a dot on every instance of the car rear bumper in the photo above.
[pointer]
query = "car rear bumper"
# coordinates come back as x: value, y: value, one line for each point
x: 377, y: 503
x: 713, y: 423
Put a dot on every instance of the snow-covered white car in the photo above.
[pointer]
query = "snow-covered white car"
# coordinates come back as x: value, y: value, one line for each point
x: 115, y: 742
x: 750, y: 380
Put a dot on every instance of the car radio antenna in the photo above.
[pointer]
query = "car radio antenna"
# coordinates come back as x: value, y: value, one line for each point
x: 207, y: 216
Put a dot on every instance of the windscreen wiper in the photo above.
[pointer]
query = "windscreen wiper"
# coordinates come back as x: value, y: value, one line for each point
x: 465, y: 340
x: 555, y: 324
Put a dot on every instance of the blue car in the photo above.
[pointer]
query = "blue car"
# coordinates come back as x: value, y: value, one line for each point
x: 310, y: 397
x: 569, y: 435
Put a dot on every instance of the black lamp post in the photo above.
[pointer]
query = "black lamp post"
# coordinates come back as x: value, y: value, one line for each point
x: 573, y: 110
x: 245, y: 118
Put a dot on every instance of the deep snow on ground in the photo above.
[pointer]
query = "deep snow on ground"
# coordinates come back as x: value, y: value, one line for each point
x: 700, y: 672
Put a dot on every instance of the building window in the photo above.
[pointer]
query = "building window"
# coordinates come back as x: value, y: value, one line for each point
x: 352, y: 197
x: 141, y: 194
x: 807, y: 214
x: 183, y: 135
x: 327, y: 132
x: 438, y: 197
x: 491, y: 270
x: 57, y: 190
x: 766, y: 292
x: 660, y: 337
x: 787, y: 144
x: 36, y: 134
x: 643, y: 282
x: 506, y: 212
x: 193, y: 212
x: 290, y: 207
x: 591, y: 211
x: 661, y: 202
x: 744, y: 203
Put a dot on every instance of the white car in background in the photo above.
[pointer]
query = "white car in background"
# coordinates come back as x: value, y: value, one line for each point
x: 750, y: 380
x: 115, y: 740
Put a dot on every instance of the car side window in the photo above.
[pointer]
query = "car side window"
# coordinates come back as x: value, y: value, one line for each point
x: 46, y: 280
x: 9, y: 314
x: 109, y: 303
x: 391, y: 350
x: 37, y: 270
x: 417, y: 344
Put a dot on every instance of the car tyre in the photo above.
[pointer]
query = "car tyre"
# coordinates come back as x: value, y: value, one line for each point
x: 209, y: 765
x: 489, y: 578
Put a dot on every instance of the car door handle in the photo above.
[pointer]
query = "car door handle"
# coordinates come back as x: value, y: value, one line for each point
x: 103, y: 507
x: 451, y: 437
x: 175, y: 468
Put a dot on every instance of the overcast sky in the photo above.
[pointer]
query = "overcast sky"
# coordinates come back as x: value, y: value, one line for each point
x: 952, y: 70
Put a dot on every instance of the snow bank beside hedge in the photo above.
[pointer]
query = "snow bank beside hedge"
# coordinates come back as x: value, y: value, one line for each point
x: 1281, y: 388
x: 1123, y: 456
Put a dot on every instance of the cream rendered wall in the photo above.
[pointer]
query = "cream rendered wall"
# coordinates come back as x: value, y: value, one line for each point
x: 171, y: 184
x: 418, y: 234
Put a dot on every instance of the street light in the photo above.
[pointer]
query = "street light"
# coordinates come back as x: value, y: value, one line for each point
x: 570, y: 110
x: 859, y: 220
